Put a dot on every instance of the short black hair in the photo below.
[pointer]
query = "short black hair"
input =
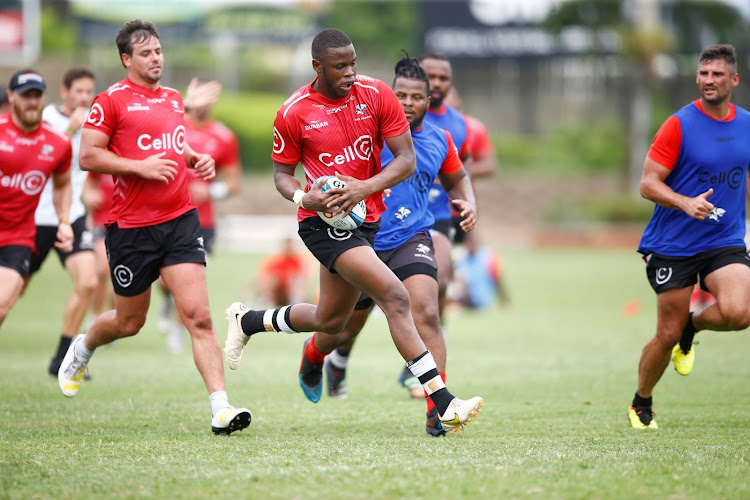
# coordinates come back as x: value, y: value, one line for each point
x: 76, y: 73
x: 135, y: 31
x: 433, y: 55
x: 724, y: 51
x: 3, y: 95
x: 409, y: 67
x: 330, y: 38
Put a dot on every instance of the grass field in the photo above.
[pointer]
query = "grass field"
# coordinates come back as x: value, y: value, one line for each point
x: 557, y: 373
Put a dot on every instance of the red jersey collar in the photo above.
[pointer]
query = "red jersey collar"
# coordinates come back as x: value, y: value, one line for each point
x: 730, y: 117
x: 317, y: 95
x: 440, y: 111
x: 144, y: 90
x: 19, y: 129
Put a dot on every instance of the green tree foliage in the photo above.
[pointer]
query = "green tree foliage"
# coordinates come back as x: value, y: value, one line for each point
x: 377, y: 27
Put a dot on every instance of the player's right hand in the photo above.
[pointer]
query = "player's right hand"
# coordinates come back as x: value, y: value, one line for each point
x: 158, y: 168
x: 316, y: 200
x: 699, y: 207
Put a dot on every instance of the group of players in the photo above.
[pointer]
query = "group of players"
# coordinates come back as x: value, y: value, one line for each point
x: 389, y: 144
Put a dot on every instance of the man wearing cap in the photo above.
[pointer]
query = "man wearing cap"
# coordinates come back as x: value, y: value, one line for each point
x: 31, y: 151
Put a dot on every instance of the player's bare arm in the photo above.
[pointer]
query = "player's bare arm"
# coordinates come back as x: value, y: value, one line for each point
x: 468, y: 162
x: 458, y: 186
x: 400, y: 169
x: 95, y: 157
x: 655, y: 189
x: 204, y: 164
x: 62, y: 192
x: 287, y: 184
x: 91, y: 196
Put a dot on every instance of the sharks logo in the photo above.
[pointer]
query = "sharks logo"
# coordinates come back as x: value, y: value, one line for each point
x: 716, y: 213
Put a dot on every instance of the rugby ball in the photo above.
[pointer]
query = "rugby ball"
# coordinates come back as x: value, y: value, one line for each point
x: 355, y: 218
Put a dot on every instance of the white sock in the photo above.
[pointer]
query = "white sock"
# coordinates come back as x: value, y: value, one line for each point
x: 424, y: 364
x: 219, y: 401
x: 338, y: 360
x: 82, y: 351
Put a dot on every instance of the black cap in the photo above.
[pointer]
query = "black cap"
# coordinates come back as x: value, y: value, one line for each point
x: 25, y: 80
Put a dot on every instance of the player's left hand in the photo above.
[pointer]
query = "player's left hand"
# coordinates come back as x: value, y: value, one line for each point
x: 469, y: 214
x: 64, y: 241
x: 347, y: 198
x: 204, y: 165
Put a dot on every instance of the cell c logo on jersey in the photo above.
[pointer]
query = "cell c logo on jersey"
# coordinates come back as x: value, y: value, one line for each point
x: 663, y: 274
x: 123, y: 276
x: 362, y: 149
x: 278, y: 141
x: 166, y: 141
x: 31, y: 183
x: 96, y: 115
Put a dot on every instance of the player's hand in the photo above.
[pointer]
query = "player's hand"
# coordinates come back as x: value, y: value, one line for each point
x: 204, y: 165
x: 699, y: 207
x: 348, y: 197
x: 64, y: 241
x: 77, y: 118
x: 158, y: 168
x: 469, y: 214
x: 316, y: 200
x: 201, y: 94
x: 200, y: 191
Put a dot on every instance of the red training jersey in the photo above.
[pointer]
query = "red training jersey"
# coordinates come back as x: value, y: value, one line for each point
x: 217, y: 140
x: 27, y: 160
x: 106, y: 186
x: 344, y: 135
x: 479, y: 139
x: 141, y: 122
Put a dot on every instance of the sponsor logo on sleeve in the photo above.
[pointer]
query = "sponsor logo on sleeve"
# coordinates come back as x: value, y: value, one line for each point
x: 278, y: 141
x: 96, y: 115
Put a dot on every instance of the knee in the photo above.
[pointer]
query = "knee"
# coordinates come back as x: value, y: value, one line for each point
x: 396, y: 300
x: 738, y: 319
x: 131, y: 326
x: 332, y: 326
x: 198, y: 318
x: 427, y: 313
x: 86, y: 286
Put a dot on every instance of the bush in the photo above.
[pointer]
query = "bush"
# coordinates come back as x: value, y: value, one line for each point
x: 612, y: 208
x: 582, y: 147
x: 251, y: 116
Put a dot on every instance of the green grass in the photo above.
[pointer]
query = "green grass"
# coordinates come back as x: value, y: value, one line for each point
x: 557, y: 373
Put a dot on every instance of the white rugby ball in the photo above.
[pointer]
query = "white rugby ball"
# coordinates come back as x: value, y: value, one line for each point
x: 355, y: 218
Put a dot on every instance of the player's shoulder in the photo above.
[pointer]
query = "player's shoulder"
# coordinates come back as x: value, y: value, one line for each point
x: 742, y: 112
x: 367, y: 84
x: 221, y: 130
x: 119, y: 89
x: 170, y: 92
x: 299, y: 95
x: 48, y: 127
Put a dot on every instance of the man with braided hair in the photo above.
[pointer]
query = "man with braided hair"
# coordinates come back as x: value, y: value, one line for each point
x: 341, y: 111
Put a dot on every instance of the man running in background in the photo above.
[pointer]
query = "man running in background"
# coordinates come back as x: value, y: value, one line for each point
x: 696, y: 173
x: 31, y: 151
x: 77, y: 92
x: 135, y: 131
